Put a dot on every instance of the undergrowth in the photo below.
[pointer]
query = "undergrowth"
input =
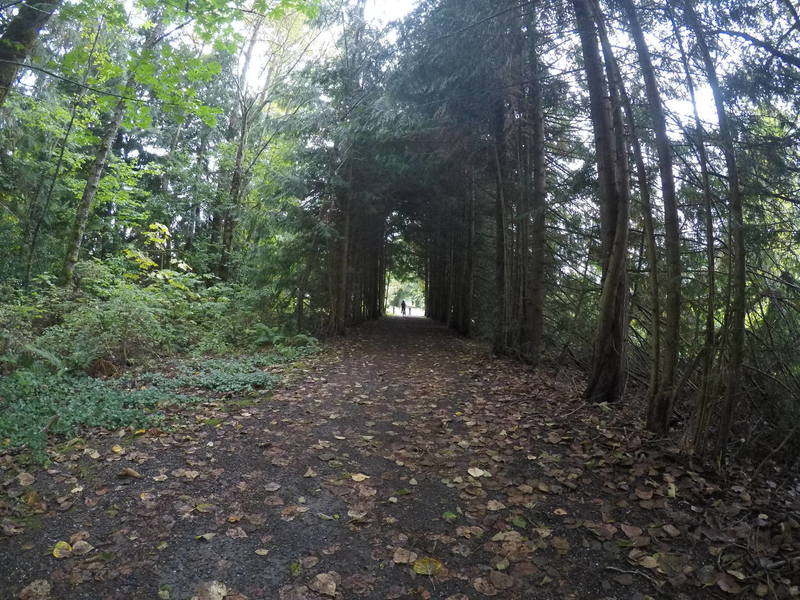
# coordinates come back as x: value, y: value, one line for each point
x: 30, y: 399
x: 118, y: 320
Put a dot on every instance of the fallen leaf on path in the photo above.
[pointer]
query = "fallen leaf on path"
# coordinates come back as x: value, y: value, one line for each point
x: 211, y: 590
x: 561, y: 544
x: 186, y: 473
x: 325, y: 584
x: 519, y: 521
x: 495, y: 505
x: 404, y: 557
x: 293, y: 592
x: 36, y: 590
x: 671, y: 530
x: 477, y: 472
x: 62, y: 550
x: 236, y: 533
x: 290, y: 512
x: 727, y: 583
x: 428, y: 566
x: 81, y: 547
x: 501, y: 581
x: 128, y: 472
x: 262, y: 551
x: 78, y: 536
x: 631, y: 531
x: 25, y: 479
x: 483, y: 586
x: 309, y: 562
x: 310, y: 472
x: 272, y: 487
x: 359, y: 477
x: 206, y: 537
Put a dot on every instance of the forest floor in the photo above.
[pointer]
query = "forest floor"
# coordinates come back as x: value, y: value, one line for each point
x: 402, y: 462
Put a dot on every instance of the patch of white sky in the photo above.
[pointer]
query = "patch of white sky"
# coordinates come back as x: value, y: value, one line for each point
x: 380, y: 13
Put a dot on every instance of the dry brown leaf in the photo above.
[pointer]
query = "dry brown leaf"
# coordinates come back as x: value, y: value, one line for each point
x: 211, y: 590
x: 727, y: 583
x: 671, y: 530
x: 128, y: 472
x: 36, y: 590
x: 403, y: 556
x: 631, y: 531
x: 25, y: 479
x: 500, y: 580
x: 236, y: 533
x: 561, y: 544
x: 81, y: 547
x: 483, y: 586
x: 325, y: 584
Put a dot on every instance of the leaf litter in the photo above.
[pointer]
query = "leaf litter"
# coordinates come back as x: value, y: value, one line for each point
x: 440, y: 473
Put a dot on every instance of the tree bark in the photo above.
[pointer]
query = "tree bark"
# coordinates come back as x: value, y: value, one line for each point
x: 647, y: 216
x: 737, y: 321
x: 90, y: 189
x: 538, y: 208
x: 19, y: 37
x: 606, y: 382
x: 239, y: 125
x: 698, y: 430
x: 660, y: 406
x: 501, y: 279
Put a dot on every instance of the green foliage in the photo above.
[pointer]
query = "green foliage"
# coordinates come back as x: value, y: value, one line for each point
x: 124, y: 318
x: 213, y: 375
x: 31, y: 398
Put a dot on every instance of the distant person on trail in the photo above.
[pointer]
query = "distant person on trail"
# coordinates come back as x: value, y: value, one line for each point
x: 403, y: 308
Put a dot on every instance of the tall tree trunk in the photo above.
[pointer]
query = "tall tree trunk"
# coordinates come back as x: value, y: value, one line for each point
x: 698, y: 430
x: 737, y: 322
x: 538, y: 207
x: 501, y: 278
x: 154, y: 35
x: 239, y: 125
x: 647, y: 213
x: 90, y: 189
x: 606, y: 381
x: 234, y: 197
x: 344, y: 259
x: 660, y: 408
x: 19, y: 37
x: 54, y: 179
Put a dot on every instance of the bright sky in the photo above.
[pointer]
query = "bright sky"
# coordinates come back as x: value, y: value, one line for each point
x: 380, y: 12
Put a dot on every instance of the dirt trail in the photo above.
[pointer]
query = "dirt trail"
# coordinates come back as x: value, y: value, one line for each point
x: 403, y: 463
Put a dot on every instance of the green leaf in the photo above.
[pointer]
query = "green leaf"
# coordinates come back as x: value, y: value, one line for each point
x: 519, y: 521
